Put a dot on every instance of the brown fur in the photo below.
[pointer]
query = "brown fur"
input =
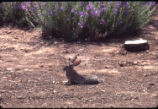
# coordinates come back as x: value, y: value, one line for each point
x: 75, y: 78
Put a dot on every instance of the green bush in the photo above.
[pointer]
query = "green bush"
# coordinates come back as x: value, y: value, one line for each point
x: 81, y: 20
x: 57, y: 20
x: 11, y: 12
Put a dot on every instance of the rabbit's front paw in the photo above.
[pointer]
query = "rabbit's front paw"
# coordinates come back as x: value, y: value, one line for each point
x: 67, y: 82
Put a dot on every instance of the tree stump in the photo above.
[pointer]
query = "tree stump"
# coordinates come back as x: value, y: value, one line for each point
x: 136, y: 45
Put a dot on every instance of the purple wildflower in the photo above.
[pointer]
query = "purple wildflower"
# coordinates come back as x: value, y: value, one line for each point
x: 82, y: 14
x: 126, y: 12
x: 149, y: 4
x: 50, y: 12
x: 143, y: 3
x: 99, y: 12
x: 39, y: 14
x: 81, y: 3
x: 102, y: 21
x: 32, y: 9
x: 103, y: 9
x: 88, y: 26
x: 104, y: 5
x: 115, y: 11
x: 110, y: 2
x: 62, y: 8
x: 73, y: 10
x: 80, y: 24
x: 117, y: 4
x: 121, y: 22
x: 55, y: 10
x: 153, y: 3
x: 95, y: 12
x: 125, y: 4
x: 89, y: 6
x: 101, y: 2
x: 23, y: 7
x: 43, y: 3
x: 11, y: 6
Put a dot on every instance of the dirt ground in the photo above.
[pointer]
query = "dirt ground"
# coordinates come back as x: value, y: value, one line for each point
x: 31, y: 72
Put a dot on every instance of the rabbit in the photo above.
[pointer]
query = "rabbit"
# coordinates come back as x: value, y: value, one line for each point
x: 75, y: 78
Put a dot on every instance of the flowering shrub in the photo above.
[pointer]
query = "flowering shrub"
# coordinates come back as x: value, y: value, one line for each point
x: 12, y: 12
x: 81, y: 20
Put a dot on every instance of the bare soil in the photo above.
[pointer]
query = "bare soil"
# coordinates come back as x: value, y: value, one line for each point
x: 31, y: 71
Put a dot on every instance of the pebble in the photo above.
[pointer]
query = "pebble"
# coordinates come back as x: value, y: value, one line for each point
x: 103, y: 90
x: 53, y: 82
x: 135, y: 62
x: 65, y: 81
x: 55, y: 42
x: 41, y: 66
x: 151, y: 84
x: 145, y: 75
x: 10, y: 69
x: 20, y: 97
x: 54, y: 91
x: 44, y: 104
x: 6, y: 72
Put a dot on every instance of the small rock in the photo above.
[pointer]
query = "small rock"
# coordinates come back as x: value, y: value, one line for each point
x: 26, y: 51
x: 86, y: 39
x: 7, y: 71
x: 122, y: 52
x: 44, y: 104
x: 122, y: 64
x: 136, y: 98
x: 54, y: 91
x: 53, y: 82
x: 41, y: 66
x: 1, y: 99
x: 69, y: 102
x: 17, y: 69
x: 4, y: 77
x: 103, y: 90
x: 55, y: 42
x: 65, y: 51
x: 111, y: 106
x: 107, y: 66
x: 78, y: 42
x: 8, y: 32
x: 144, y: 90
x: 145, y: 75
x: 20, y: 97
x: 57, y: 82
x: 64, y: 81
x: 27, y: 69
x: 155, y: 94
x: 10, y: 69
x: 135, y: 63
x: 151, y: 84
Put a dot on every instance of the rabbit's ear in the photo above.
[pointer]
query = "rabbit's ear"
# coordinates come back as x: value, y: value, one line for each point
x: 74, y: 58
x: 76, y: 62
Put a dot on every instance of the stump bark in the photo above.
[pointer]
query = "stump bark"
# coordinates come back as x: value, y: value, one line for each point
x: 136, y: 45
